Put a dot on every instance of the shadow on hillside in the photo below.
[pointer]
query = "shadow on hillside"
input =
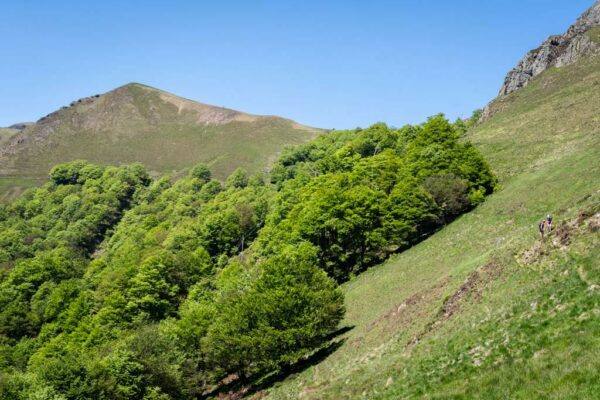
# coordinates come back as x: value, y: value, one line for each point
x: 239, y: 389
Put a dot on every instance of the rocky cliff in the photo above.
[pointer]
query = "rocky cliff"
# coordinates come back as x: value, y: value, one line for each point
x: 582, y: 39
x: 556, y: 51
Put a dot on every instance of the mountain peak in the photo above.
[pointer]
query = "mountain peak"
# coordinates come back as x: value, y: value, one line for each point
x: 139, y: 123
x: 137, y: 85
x: 203, y: 113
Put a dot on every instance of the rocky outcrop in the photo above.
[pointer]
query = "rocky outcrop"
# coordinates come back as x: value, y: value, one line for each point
x: 582, y: 39
x: 556, y: 51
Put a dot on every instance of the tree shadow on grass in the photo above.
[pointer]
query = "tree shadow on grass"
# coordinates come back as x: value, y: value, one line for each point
x: 239, y: 389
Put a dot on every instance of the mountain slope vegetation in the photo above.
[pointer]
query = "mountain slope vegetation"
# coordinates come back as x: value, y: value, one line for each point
x: 483, y: 309
x: 137, y: 123
x: 117, y: 286
x: 118, y: 283
x: 6, y: 134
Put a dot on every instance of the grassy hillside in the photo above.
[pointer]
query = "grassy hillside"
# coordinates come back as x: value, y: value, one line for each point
x: 136, y: 123
x: 6, y: 134
x: 482, y: 309
x: 12, y: 187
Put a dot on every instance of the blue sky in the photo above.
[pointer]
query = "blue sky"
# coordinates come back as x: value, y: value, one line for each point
x: 331, y: 64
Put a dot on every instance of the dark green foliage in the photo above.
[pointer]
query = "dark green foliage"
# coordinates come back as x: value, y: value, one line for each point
x: 271, y: 314
x: 66, y: 375
x: 201, y: 171
x: 450, y: 193
x: 238, y: 179
x: 116, y: 287
x: 68, y: 173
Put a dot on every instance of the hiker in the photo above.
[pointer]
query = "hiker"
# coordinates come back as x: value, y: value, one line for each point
x: 549, y: 222
x: 542, y: 228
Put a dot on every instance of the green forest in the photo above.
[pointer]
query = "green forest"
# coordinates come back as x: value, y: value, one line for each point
x: 115, y: 285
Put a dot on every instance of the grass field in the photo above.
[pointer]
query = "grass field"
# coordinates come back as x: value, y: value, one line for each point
x: 7, y: 133
x: 12, y: 187
x: 482, y: 309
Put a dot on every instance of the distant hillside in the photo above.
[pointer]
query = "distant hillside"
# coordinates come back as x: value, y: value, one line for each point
x: 6, y: 134
x: 137, y: 123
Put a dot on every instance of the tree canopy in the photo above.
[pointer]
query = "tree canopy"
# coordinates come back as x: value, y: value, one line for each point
x: 114, y: 285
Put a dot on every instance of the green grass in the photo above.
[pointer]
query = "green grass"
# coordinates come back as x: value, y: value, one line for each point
x: 544, y: 144
x: 545, y: 343
x: 12, y: 187
x: 7, y: 133
x: 594, y: 34
x: 136, y: 124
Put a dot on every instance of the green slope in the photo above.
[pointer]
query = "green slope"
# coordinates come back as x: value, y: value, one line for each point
x: 12, y: 186
x: 6, y: 134
x: 461, y: 315
x: 137, y: 123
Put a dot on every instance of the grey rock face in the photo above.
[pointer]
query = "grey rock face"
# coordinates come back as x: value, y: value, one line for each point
x: 556, y: 51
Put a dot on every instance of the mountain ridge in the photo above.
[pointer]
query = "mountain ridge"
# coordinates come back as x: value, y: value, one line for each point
x: 207, y: 113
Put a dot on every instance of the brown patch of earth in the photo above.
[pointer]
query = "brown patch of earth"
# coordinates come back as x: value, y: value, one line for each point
x: 472, y: 288
x: 411, y: 309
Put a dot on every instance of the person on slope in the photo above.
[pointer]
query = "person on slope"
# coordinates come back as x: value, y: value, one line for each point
x: 542, y: 228
x: 549, y: 222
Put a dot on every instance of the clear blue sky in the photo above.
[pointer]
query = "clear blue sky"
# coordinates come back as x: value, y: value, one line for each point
x: 331, y: 64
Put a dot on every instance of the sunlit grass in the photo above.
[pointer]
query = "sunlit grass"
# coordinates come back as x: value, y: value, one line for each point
x: 12, y: 187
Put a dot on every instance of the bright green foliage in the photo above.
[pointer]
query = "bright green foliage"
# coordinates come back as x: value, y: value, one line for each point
x: 361, y: 195
x: 352, y: 222
x: 124, y: 375
x: 116, y: 287
x: 75, y: 172
x: 201, y: 172
x: 292, y: 160
x: 435, y: 150
x: 265, y: 315
x: 238, y: 179
x: 150, y: 291
x: 50, y: 234
x: 464, y: 125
